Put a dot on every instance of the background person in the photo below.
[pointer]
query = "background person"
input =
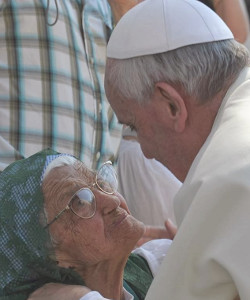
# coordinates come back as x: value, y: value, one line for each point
x: 234, y: 14
x: 52, y: 91
x: 52, y: 60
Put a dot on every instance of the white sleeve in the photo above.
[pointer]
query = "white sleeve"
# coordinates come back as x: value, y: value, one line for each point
x: 154, y: 252
x: 93, y: 296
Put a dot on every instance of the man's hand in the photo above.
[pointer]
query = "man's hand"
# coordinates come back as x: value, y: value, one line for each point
x: 120, y: 7
x: 55, y: 291
x: 171, y: 229
x: 157, y: 232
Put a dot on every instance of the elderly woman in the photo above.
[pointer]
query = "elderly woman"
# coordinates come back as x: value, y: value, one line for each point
x: 61, y: 222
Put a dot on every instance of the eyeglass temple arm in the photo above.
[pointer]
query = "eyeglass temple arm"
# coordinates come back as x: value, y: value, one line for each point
x: 56, y: 217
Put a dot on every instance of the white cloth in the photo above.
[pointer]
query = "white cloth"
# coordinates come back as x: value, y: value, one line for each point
x: 97, y: 296
x: 247, y: 42
x: 154, y: 253
x: 147, y: 185
x: 210, y: 256
x: 168, y: 25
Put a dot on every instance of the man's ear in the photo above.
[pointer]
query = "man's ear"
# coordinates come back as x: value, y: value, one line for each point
x: 174, y: 103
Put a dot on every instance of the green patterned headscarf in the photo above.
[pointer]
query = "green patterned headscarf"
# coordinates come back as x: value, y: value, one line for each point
x: 25, y: 249
x: 25, y: 262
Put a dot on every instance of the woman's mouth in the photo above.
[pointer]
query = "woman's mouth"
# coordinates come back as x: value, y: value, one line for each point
x: 120, y: 217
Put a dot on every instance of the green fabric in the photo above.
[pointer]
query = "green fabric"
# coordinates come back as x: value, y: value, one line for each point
x: 25, y: 250
x: 24, y: 259
x: 128, y: 288
x: 138, y: 276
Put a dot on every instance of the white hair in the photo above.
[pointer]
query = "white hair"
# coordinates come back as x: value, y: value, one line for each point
x: 62, y: 160
x: 201, y: 70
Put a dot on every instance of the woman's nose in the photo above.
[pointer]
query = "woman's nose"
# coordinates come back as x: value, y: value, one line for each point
x: 107, y: 202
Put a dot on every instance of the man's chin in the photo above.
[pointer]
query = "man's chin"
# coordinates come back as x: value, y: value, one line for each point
x: 148, y: 155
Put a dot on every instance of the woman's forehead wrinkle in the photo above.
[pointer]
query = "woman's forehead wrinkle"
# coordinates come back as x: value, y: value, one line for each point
x: 64, y: 181
x: 58, y: 185
x: 84, y: 173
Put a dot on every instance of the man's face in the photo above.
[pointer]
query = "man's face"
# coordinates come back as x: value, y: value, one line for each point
x: 148, y: 120
x: 141, y: 119
x: 171, y: 126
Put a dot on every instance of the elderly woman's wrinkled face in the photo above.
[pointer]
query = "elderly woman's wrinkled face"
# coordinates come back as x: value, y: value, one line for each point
x: 110, y: 234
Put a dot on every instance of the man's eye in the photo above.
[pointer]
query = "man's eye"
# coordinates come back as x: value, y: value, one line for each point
x: 132, y: 127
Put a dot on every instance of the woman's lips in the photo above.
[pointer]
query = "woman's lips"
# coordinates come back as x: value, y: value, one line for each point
x: 121, y: 216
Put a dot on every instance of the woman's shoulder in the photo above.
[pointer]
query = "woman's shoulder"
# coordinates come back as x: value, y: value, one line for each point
x: 154, y: 252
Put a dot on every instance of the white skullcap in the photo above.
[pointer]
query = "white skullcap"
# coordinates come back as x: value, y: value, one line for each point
x: 156, y: 26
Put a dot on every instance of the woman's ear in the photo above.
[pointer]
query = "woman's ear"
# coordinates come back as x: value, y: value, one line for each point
x: 175, y: 106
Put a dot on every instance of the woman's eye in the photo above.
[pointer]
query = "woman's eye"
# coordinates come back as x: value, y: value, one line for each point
x: 79, y: 202
x: 102, y: 184
x: 82, y: 202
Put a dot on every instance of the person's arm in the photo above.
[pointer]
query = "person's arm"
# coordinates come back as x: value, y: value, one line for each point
x: 120, y: 7
x: 235, y: 15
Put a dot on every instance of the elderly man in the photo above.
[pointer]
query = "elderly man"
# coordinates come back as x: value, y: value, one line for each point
x: 176, y: 75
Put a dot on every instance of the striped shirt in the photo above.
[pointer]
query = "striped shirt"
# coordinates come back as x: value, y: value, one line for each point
x: 52, y: 80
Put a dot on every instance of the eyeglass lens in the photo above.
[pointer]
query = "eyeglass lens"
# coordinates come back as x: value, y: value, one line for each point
x: 83, y: 203
x: 106, y: 179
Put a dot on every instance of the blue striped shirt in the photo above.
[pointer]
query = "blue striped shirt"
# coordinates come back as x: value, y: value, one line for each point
x: 52, y: 80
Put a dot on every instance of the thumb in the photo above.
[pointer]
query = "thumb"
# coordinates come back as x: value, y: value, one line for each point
x: 171, y: 228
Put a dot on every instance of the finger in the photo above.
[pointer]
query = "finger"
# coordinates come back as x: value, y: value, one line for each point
x: 171, y: 228
x: 155, y: 232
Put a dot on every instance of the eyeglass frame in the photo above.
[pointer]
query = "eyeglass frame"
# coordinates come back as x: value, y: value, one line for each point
x: 68, y: 207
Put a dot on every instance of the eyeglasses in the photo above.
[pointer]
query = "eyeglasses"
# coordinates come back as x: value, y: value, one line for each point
x: 83, y: 202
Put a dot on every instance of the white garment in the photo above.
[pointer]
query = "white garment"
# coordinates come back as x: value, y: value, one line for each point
x: 154, y: 253
x: 147, y: 185
x: 210, y: 255
x: 247, y: 42
x: 97, y: 296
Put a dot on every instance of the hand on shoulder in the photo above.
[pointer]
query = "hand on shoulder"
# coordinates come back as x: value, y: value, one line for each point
x: 55, y: 291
